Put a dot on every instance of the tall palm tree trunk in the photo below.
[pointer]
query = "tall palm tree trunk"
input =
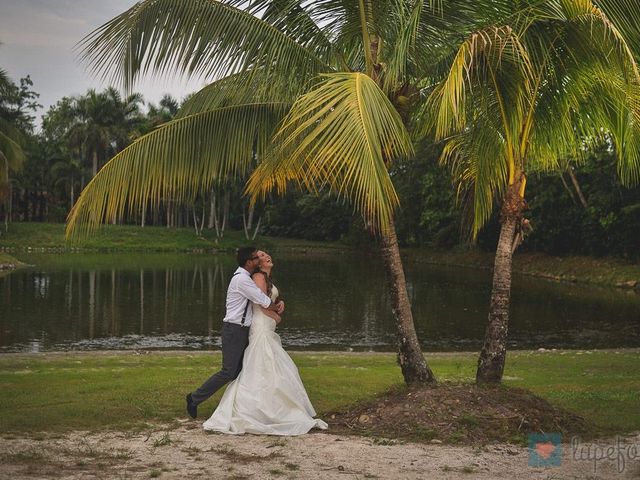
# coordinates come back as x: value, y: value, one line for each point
x: 72, y: 192
x: 494, y: 351
x: 576, y: 185
x: 94, y: 167
x: 412, y: 363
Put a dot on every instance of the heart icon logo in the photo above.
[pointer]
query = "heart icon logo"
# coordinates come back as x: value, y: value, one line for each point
x: 545, y: 449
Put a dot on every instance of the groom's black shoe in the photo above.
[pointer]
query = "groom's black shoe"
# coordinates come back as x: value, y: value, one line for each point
x: 192, y: 408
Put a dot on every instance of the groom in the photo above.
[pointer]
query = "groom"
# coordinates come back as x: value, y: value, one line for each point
x: 235, y: 327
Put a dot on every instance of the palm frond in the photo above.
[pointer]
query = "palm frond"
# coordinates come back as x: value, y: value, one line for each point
x: 293, y: 18
x: 175, y: 162
x: 201, y: 38
x: 5, y: 81
x: 342, y: 134
x: 482, y: 53
x: 11, y: 148
x: 401, y: 34
x: 241, y: 88
x: 624, y: 15
x: 480, y: 168
x: 586, y: 35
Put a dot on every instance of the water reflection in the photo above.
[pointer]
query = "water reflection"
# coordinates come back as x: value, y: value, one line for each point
x: 333, y: 302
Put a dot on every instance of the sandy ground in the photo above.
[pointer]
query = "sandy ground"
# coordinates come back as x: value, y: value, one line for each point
x: 189, y: 452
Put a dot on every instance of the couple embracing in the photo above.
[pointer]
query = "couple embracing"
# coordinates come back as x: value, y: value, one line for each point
x: 266, y: 395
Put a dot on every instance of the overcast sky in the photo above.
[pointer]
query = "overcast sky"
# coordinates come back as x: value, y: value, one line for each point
x: 37, y: 39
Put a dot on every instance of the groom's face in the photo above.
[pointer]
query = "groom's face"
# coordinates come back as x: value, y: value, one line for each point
x: 253, y: 262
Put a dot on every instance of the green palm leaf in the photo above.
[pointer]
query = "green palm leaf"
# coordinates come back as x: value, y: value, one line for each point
x: 343, y: 134
x: 241, y: 88
x: 204, y: 38
x: 176, y: 162
x: 527, y: 99
x: 294, y: 18
x: 496, y: 48
x: 624, y: 15
x: 12, y: 156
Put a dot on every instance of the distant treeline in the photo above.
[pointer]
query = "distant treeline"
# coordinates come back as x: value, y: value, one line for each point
x: 584, y: 210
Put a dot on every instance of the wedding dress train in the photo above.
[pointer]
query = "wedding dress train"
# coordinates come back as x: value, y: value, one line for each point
x: 268, y: 396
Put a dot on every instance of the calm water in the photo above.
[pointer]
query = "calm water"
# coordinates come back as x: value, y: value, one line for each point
x: 337, y: 301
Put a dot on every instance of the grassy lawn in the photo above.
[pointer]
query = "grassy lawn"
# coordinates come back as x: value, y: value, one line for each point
x: 135, y: 238
x: 58, y: 392
x: 6, y: 258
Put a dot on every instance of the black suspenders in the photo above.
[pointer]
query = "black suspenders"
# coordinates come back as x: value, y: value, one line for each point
x: 246, y: 307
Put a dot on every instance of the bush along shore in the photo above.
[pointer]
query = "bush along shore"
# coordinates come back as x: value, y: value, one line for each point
x: 606, y: 271
x: 49, y: 238
x: 8, y: 262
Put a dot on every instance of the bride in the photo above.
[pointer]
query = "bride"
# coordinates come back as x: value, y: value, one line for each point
x: 268, y: 396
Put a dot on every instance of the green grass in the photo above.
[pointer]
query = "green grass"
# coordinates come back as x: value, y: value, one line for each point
x: 24, y: 235
x: 5, y: 258
x: 61, y: 392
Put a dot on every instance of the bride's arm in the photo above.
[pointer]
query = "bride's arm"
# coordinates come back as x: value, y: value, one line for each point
x: 262, y: 284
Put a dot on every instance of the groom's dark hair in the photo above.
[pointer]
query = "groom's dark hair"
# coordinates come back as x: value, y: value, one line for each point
x: 245, y: 254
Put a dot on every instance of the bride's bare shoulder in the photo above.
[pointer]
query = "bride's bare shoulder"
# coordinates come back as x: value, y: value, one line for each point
x: 261, y: 280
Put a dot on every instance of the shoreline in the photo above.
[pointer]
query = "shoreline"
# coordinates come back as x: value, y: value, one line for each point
x: 49, y: 239
x: 8, y: 263
x: 606, y: 272
x: 309, y: 353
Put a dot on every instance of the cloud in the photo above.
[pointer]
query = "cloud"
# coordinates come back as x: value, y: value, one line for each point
x: 38, y: 37
x: 53, y: 24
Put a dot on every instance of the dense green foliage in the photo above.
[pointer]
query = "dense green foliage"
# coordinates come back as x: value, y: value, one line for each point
x: 607, y: 225
x: 59, y: 162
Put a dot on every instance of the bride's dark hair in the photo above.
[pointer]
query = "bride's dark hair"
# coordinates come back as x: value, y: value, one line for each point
x: 268, y: 280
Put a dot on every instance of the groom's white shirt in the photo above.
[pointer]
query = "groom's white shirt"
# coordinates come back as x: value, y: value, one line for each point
x: 243, y: 288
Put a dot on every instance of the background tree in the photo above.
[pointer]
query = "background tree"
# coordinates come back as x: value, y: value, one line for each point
x: 607, y: 227
x: 67, y: 172
x: 17, y: 102
x: 106, y: 123
x: 166, y: 109
x: 11, y: 154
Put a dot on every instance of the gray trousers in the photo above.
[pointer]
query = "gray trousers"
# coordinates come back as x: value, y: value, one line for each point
x: 235, y: 339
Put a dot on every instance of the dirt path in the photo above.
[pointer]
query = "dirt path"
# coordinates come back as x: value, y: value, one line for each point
x: 189, y: 452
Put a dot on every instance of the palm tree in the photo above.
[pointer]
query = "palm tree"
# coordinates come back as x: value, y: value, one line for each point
x: 93, y: 126
x: 125, y: 117
x: 164, y: 112
x: 68, y: 171
x: 556, y: 82
x: 12, y: 156
x: 106, y: 123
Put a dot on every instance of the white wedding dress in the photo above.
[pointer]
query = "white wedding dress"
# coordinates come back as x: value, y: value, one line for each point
x: 268, y: 396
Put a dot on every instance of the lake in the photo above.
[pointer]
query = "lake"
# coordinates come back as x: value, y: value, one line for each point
x: 335, y: 301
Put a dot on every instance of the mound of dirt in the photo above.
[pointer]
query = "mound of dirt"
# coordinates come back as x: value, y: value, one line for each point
x: 458, y: 414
